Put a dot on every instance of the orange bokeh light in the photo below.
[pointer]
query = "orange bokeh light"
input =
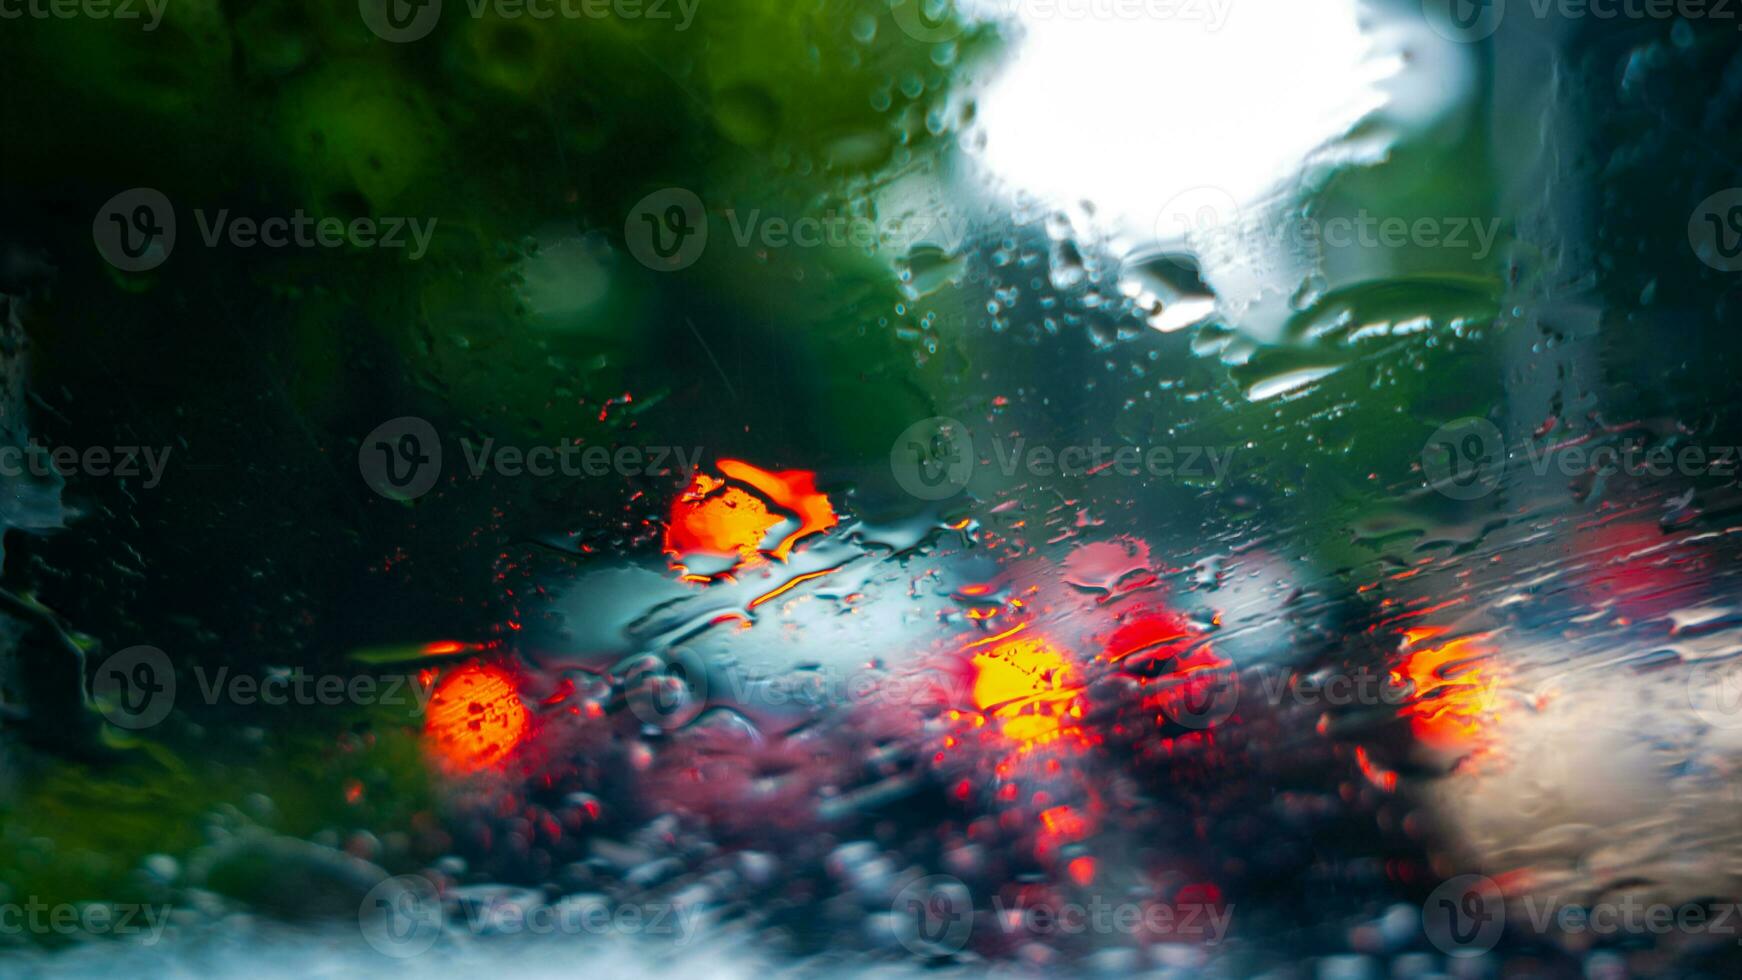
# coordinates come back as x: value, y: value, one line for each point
x: 793, y: 491
x: 1029, y: 686
x: 476, y: 718
x: 714, y: 517
x: 722, y: 517
x: 1456, y: 686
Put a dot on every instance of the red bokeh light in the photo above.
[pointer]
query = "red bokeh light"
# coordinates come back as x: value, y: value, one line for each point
x: 476, y: 718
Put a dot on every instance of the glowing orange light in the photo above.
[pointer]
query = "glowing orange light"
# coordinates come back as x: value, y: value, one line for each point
x: 1028, y: 685
x: 1455, y: 688
x: 1082, y: 871
x: 441, y: 648
x: 476, y: 717
x: 794, y: 491
x: 1064, y: 823
x: 1376, y: 774
x: 990, y: 640
x: 788, y: 587
x: 722, y: 517
x: 713, y: 517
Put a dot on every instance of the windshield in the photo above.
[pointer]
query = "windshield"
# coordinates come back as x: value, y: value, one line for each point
x: 1083, y: 487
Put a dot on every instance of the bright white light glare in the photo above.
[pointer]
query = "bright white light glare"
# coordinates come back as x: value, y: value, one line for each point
x: 1109, y: 102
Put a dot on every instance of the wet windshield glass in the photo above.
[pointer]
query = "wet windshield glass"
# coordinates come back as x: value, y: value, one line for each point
x: 1203, y: 487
